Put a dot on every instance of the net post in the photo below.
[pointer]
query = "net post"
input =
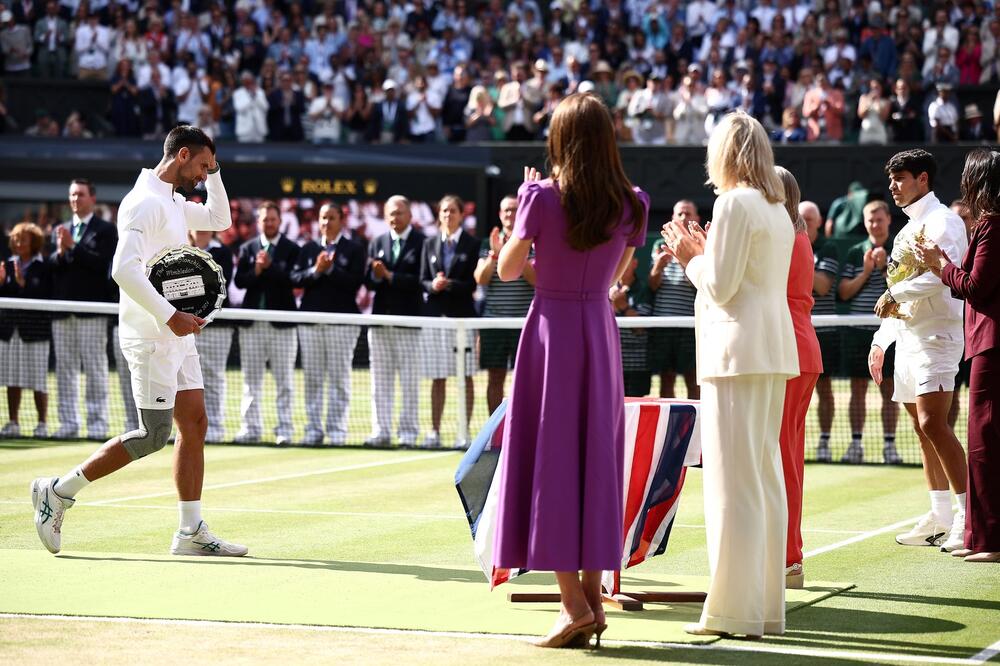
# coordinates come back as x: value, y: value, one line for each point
x: 460, y: 350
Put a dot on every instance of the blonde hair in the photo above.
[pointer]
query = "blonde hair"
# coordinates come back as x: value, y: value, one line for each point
x: 475, y: 94
x: 792, y: 197
x: 739, y: 153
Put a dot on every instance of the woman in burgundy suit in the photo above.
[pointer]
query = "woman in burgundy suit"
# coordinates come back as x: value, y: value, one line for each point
x: 977, y: 281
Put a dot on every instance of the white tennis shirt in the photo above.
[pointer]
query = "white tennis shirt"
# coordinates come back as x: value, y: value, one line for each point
x: 152, y: 218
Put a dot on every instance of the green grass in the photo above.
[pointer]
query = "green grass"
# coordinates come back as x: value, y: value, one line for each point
x: 359, y: 417
x: 378, y: 538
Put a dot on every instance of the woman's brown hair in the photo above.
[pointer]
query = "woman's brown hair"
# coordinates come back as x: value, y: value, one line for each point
x: 32, y: 230
x: 981, y: 183
x: 593, y: 187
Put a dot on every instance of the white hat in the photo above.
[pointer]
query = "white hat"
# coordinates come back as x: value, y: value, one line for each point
x: 388, y: 84
x: 585, y: 87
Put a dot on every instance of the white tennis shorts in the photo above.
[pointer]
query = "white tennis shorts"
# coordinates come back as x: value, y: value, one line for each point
x: 161, y: 368
x: 925, y: 365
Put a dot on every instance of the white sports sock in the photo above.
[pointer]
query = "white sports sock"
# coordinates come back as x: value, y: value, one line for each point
x: 70, y: 484
x: 961, y: 502
x: 941, y: 506
x: 190, y: 516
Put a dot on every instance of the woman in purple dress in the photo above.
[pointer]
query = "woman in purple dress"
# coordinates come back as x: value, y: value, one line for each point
x: 564, y: 438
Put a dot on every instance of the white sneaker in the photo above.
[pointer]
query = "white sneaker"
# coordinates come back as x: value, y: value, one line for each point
x: 927, y: 532
x: 854, y: 455
x: 431, y: 441
x: 890, y: 456
x: 205, y: 543
x: 956, y: 539
x: 10, y: 430
x: 823, y: 453
x: 244, y: 437
x: 41, y: 431
x: 50, y: 509
x: 65, y: 432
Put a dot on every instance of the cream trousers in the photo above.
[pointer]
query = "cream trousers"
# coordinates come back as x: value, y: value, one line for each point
x: 745, y: 511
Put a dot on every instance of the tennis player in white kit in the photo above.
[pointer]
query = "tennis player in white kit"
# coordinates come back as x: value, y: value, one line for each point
x: 156, y: 341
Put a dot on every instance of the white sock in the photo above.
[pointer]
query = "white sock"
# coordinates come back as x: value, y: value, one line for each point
x: 190, y: 516
x: 961, y: 502
x: 70, y: 484
x: 941, y: 506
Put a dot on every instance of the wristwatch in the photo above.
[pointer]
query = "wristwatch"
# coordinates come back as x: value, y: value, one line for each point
x: 216, y: 169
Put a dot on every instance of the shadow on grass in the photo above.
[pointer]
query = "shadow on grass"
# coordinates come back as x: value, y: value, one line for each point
x: 437, y: 574
x: 708, y: 655
x: 982, y: 604
x: 870, y: 631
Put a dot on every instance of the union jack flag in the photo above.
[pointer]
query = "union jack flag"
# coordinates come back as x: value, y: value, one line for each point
x: 661, y: 441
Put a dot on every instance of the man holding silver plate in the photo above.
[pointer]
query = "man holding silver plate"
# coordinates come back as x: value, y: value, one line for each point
x: 169, y: 291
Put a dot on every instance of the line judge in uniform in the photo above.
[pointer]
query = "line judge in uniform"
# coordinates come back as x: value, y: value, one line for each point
x: 265, y: 271
x: 394, y: 275
x: 330, y: 272
x: 215, y: 341
x: 81, y: 271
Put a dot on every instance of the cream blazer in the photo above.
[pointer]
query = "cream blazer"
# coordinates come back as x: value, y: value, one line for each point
x: 742, y: 322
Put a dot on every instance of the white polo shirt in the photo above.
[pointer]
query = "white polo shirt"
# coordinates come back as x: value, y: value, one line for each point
x: 152, y: 218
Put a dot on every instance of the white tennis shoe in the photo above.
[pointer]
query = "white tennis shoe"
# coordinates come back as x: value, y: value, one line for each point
x: 927, y: 532
x: 956, y: 539
x: 50, y: 509
x: 204, y: 543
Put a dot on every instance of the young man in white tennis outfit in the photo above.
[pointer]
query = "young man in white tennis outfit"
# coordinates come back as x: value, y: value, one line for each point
x: 156, y: 340
x: 929, y: 347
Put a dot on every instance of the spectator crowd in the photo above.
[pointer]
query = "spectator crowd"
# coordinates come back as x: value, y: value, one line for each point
x: 381, y: 71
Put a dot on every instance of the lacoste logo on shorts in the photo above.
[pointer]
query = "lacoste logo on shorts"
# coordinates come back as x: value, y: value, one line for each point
x: 161, y: 400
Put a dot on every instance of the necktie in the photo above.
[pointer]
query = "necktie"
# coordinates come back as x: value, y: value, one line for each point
x: 269, y: 248
x: 77, y: 232
x: 449, y: 253
x: 396, y: 246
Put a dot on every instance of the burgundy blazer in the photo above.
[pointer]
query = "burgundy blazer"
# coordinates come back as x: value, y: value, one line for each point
x: 978, y: 283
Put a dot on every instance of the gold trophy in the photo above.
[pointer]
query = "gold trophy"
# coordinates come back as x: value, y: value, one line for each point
x: 904, y: 265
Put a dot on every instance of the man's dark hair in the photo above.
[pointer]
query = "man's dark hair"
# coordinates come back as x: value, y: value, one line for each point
x: 186, y: 136
x: 916, y: 161
x: 86, y: 183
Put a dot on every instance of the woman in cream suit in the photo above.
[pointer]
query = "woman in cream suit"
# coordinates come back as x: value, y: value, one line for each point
x: 746, y: 352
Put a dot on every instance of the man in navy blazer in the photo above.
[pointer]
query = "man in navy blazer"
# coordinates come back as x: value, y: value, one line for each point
x: 394, y: 275
x: 330, y: 271
x: 265, y: 271
x: 81, y: 268
x: 448, y: 276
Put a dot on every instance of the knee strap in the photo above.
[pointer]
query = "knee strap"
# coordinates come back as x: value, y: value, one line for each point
x: 152, y: 435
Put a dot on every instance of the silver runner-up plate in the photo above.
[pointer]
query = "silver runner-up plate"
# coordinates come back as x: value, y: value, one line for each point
x: 190, y: 279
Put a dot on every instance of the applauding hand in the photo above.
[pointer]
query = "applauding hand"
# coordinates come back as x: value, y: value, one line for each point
x: 682, y: 243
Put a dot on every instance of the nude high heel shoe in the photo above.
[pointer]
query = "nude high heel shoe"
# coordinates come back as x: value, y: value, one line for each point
x: 570, y: 637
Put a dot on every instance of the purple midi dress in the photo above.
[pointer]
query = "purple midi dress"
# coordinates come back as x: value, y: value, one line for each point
x: 564, y: 435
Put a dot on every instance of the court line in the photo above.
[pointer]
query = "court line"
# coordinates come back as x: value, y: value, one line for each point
x: 285, y: 477
x: 766, y: 649
x: 351, y: 514
x: 861, y: 537
x: 986, y: 654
